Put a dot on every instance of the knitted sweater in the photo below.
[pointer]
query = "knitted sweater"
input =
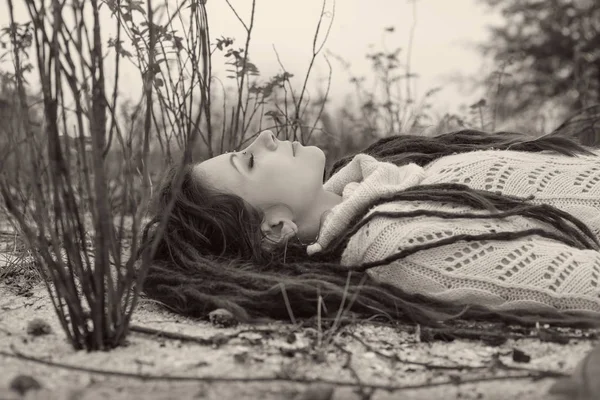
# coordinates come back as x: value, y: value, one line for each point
x: 532, y: 273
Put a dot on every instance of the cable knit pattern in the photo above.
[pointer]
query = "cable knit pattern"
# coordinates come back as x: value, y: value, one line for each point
x: 531, y: 273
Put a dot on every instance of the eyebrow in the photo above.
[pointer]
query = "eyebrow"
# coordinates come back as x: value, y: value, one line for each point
x: 232, y: 163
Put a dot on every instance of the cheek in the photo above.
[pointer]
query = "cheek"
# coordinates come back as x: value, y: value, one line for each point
x: 293, y: 175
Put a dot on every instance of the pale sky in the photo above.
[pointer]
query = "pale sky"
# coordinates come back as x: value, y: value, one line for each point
x: 444, y: 36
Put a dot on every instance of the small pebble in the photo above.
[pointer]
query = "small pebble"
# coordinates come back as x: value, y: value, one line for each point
x: 288, y: 352
x: 520, y: 356
x: 38, y: 327
x: 291, y: 338
x: 222, y: 318
x: 24, y: 383
x: 241, y: 358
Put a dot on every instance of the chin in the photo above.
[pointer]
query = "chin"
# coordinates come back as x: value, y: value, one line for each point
x: 320, y: 164
x: 315, y: 159
x: 317, y: 151
x: 312, y: 153
x: 319, y: 156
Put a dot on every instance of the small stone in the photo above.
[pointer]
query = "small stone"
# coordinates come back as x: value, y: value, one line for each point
x: 287, y: 352
x: 24, y: 383
x: 291, y: 338
x: 241, y: 358
x: 222, y: 318
x: 520, y: 356
x: 38, y: 327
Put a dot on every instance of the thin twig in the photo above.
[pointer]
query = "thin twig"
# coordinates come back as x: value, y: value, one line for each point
x: 287, y: 303
x: 238, y: 16
x: 397, y: 358
x: 217, y: 339
x: 411, y: 38
x: 315, y: 52
x: 146, y: 377
x: 236, y: 122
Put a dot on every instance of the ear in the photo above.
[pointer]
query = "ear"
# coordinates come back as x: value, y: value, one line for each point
x: 278, y: 226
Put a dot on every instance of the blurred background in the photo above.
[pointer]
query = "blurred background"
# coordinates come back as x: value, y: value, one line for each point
x: 527, y: 62
x: 336, y: 74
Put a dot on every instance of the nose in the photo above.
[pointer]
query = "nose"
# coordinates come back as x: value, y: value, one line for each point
x: 268, y: 140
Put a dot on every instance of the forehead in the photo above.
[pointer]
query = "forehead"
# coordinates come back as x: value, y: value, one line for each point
x: 219, y: 173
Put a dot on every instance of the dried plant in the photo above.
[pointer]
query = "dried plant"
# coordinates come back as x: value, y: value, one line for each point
x: 85, y: 249
x: 386, y: 102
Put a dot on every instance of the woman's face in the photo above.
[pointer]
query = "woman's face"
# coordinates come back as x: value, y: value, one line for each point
x: 268, y: 172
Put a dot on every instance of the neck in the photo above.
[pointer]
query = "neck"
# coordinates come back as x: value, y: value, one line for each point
x: 310, y: 223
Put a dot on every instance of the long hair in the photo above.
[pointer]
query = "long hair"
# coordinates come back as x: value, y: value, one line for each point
x: 210, y: 253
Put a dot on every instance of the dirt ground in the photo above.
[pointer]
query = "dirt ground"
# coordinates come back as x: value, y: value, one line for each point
x: 193, y: 359
x: 271, y: 361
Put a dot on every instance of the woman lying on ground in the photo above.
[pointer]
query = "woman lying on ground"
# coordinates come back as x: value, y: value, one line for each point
x: 465, y: 223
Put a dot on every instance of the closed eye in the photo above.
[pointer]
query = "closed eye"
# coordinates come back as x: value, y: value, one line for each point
x: 251, y: 164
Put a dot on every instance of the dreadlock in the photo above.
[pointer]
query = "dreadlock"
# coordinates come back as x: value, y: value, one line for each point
x: 210, y: 256
x: 571, y: 230
x: 421, y: 150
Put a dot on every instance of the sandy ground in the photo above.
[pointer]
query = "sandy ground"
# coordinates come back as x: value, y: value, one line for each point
x: 279, y: 362
x: 275, y: 361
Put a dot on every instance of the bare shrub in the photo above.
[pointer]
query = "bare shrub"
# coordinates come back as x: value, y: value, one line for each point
x: 80, y: 161
x: 68, y: 222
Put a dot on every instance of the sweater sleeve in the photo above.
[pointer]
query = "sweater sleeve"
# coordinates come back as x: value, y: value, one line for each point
x: 361, y: 182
